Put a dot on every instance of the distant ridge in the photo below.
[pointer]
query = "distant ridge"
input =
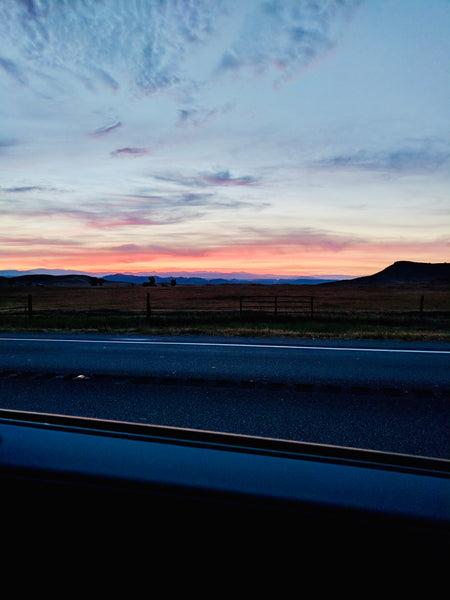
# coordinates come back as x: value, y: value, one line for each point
x: 182, y: 280
x: 402, y: 272
x: 119, y: 279
x: 51, y: 280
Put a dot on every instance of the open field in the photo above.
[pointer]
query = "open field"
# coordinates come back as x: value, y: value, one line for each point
x: 415, y: 311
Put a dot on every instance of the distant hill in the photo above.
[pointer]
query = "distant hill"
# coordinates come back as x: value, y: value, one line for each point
x: 400, y: 272
x: 403, y: 272
x: 52, y: 280
x: 139, y: 279
x: 119, y: 279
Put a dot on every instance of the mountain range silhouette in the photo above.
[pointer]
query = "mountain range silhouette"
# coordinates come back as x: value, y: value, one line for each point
x: 400, y: 272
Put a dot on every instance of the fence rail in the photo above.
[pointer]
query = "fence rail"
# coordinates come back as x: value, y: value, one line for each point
x: 277, y: 304
x: 147, y: 305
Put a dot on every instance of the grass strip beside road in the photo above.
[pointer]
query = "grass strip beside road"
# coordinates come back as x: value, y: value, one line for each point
x: 393, y: 327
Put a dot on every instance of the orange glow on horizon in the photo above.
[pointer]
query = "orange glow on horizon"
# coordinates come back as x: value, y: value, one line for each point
x: 287, y: 262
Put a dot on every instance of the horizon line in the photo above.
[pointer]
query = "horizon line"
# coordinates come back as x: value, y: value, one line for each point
x: 175, y: 273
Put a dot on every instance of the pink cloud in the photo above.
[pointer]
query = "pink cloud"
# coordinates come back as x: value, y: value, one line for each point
x: 129, y: 152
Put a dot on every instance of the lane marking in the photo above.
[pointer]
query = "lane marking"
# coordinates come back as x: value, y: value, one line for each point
x: 229, y: 345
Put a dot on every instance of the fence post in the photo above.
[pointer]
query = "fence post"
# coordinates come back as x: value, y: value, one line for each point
x: 30, y: 306
x: 421, y: 306
x: 240, y: 306
x: 149, y: 310
x: 312, y: 306
x: 276, y: 306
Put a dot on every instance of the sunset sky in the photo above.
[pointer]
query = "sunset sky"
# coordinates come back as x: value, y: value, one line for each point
x: 286, y: 137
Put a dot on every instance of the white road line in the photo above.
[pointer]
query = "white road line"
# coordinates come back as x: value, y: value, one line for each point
x: 229, y: 344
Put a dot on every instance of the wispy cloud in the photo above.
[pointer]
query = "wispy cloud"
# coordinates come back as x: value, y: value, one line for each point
x: 105, y: 78
x: 299, y: 237
x: 172, y: 249
x: 248, y: 242
x: 129, y: 152
x: 37, y: 241
x: 285, y: 36
x: 6, y: 143
x: 138, y: 209
x: 404, y: 160
x: 12, y: 69
x: 101, y: 131
x: 197, y: 116
x: 216, y: 178
x: 25, y: 188
x: 46, y: 37
x: 184, y: 202
x: 225, y: 178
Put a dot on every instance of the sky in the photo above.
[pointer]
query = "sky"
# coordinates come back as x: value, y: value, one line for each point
x: 286, y: 137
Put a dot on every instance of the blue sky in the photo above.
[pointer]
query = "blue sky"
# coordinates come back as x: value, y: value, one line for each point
x: 290, y: 137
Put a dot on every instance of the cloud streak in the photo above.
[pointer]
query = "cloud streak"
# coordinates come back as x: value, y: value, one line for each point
x: 225, y: 178
x: 299, y: 237
x: 404, y: 160
x: 216, y: 178
x: 36, y: 241
x: 101, y: 131
x: 139, y: 209
x: 129, y: 152
x: 24, y: 188
x: 13, y: 70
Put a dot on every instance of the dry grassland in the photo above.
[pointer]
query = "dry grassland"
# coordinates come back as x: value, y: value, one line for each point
x: 226, y: 297
x: 339, y: 311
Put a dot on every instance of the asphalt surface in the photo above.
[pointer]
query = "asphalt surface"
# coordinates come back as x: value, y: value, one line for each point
x: 380, y: 395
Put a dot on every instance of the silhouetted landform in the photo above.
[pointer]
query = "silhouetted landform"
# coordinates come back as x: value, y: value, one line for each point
x: 214, y: 280
x: 401, y: 272
x: 119, y: 279
x: 404, y: 272
x: 52, y: 280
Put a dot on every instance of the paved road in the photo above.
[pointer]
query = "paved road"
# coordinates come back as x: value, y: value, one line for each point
x: 381, y: 395
x: 374, y: 365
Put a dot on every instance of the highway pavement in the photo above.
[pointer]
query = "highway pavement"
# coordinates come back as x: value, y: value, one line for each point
x: 388, y: 396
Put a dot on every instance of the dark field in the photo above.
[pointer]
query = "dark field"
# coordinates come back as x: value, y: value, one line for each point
x: 414, y: 311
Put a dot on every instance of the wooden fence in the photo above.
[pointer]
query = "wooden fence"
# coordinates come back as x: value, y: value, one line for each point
x: 242, y: 305
x: 277, y: 304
